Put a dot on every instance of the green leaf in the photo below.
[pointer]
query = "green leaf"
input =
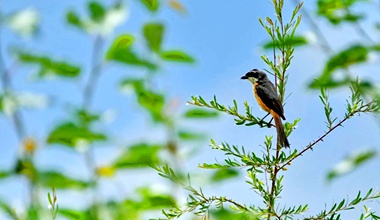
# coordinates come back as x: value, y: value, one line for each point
x: 69, y: 134
x: 228, y: 214
x: 138, y: 156
x: 148, y: 99
x: 338, y: 11
x: 153, y: 33
x: 24, y: 22
x: 48, y: 66
x: 350, y: 56
x: 74, y: 214
x: 121, y: 51
x: 189, y: 135
x: 58, y: 180
x: 200, y: 113
x: 5, y: 174
x: 351, y: 163
x: 85, y: 117
x: 97, y: 11
x: 152, y: 5
x: 73, y: 18
x: 176, y: 56
x: 223, y: 174
x: 288, y: 41
x: 101, y: 21
x: 5, y: 206
x: 122, y: 42
x: 152, y: 199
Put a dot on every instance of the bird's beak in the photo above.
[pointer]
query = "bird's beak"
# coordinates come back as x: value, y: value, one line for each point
x: 244, y: 77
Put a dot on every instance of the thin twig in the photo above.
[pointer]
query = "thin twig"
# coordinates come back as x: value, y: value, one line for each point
x: 88, y: 94
x: 7, y: 87
x: 310, y: 146
x: 326, y: 46
x: 96, y: 67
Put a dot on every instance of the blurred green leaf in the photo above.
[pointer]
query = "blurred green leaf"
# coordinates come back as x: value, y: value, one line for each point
x: 73, y: 18
x: 101, y: 21
x: 48, y: 66
x: 189, y: 135
x: 24, y: 22
x: 138, y: 156
x: 58, y: 180
x: 294, y: 41
x: 152, y: 5
x: 176, y: 56
x: 5, y: 174
x: 85, y: 117
x: 351, y: 163
x: 121, y: 51
x: 97, y: 11
x: 337, y: 11
x: 200, y: 113
x: 74, y: 214
x: 127, y: 209
x: 8, y: 209
x: 153, y: 33
x: 353, y: 55
x: 123, y: 41
x: 148, y: 99
x: 152, y: 200
x: 69, y: 134
x: 223, y: 174
x: 228, y: 214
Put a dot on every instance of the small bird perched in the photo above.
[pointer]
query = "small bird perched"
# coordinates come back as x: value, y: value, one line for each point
x: 267, y: 98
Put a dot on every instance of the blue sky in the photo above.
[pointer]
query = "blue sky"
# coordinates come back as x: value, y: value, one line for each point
x: 225, y: 39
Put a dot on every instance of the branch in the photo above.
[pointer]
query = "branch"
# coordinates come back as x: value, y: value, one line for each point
x: 199, y: 101
x: 310, y: 146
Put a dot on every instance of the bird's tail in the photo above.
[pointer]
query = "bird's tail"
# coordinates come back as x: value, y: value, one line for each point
x: 282, y: 140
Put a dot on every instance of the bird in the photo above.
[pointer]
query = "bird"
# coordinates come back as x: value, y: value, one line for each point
x: 267, y: 98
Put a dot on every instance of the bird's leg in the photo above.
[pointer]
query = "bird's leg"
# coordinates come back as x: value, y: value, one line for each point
x: 270, y: 123
x: 262, y: 120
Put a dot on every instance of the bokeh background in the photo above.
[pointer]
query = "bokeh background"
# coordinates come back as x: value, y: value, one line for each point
x: 225, y: 40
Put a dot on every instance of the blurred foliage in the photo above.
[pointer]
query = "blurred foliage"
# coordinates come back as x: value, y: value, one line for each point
x: 47, y: 66
x: 83, y: 127
x: 351, y: 163
x: 338, y: 11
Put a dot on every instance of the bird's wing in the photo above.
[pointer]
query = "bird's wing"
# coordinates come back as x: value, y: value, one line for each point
x: 268, y: 95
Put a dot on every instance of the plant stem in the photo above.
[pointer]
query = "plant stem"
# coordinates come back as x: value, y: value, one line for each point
x: 96, y: 67
x: 326, y: 46
x: 19, y: 127
x: 88, y: 96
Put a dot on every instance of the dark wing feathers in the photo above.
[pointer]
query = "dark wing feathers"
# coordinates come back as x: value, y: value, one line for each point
x: 268, y: 95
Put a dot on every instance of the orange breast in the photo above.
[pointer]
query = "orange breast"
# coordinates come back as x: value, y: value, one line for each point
x: 259, y: 101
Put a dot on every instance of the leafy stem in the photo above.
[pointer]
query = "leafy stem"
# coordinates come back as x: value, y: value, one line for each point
x: 247, y: 120
x: 346, y: 205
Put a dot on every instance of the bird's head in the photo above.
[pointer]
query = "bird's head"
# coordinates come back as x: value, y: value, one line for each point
x: 254, y: 75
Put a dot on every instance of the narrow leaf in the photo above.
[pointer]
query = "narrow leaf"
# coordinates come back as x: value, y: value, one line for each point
x: 177, y: 56
x: 200, y: 113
